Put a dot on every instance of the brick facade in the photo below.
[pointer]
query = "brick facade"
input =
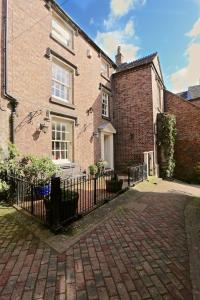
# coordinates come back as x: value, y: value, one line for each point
x: 196, y: 101
x: 136, y: 104
x: 29, y: 80
x: 187, y: 152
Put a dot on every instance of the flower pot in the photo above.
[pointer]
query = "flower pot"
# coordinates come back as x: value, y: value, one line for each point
x: 68, y: 204
x: 3, y: 196
x: 43, y: 190
x: 113, y: 186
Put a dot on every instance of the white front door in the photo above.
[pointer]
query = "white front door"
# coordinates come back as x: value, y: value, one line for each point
x: 107, y: 149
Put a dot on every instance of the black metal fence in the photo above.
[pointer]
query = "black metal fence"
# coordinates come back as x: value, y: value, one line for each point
x: 137, y: 174
x: 61, y: 200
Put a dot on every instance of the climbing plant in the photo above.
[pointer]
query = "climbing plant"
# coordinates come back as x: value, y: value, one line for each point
x: 166, y: 138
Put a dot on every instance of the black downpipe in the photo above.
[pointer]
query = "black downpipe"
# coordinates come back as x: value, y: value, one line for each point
x: 12, y: 100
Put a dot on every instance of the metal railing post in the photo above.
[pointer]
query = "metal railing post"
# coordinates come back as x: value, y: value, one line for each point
x: 95, y: 190
x: 55, y: 204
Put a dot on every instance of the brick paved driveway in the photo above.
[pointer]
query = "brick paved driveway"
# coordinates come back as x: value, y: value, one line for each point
x: 132, y: 255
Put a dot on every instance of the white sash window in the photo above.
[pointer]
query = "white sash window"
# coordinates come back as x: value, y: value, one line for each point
x: 62, y: 140
x: 61, y: 32
x: 62, y: 79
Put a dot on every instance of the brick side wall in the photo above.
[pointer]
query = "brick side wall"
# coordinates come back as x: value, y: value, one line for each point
x: 187, y: 152
x: 133, y: 114
x: 196, y: 101
x: 4, y: 103
x: 30, y: 82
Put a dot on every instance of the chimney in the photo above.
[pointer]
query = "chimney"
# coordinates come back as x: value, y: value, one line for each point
x: 119, y: 57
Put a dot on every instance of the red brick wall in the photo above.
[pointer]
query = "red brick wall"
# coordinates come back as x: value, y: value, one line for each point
x: 133, y: 114
x: 29, y: 76
x: 196, y: 101
x: 187, y: 152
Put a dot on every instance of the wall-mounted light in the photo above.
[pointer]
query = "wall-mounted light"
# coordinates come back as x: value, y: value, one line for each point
x: 95, y: 135
x: 89, y: 53
x: 44, y: 127
x: 90, y: 110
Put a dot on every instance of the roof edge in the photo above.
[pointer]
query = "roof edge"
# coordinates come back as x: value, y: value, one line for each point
x: 57, y: 7
x: 182, y: 99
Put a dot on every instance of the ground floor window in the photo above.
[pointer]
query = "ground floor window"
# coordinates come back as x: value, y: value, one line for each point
x: 62, y: 139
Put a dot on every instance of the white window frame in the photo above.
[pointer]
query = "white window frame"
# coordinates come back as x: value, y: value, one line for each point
x: 105, y: 69
x: 105, y: 103
x: 70, y: 143
x: 69, y: 88
x: 60, y: 30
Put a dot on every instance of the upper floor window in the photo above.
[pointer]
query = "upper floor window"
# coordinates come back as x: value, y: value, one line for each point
x: 105, y: 104
x: 62, y: 33
x: 62, y: 79
x: 105, y: 69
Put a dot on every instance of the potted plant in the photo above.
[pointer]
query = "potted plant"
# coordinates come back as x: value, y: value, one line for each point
x: 38, y: 171
x: 4, y: 188
x: 114, y: 185
x: 93, y: 169
x: 101, y: 164
x: 69, y: 204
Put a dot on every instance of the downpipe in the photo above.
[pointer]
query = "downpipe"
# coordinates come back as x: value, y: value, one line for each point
x: 13, y: 101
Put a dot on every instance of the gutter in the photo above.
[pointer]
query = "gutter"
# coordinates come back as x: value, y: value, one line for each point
x: 13, y: 101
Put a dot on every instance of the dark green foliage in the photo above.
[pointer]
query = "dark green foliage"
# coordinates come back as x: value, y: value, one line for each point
x: 166, y: 138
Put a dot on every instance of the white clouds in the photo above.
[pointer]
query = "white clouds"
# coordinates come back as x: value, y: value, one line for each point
x: 115, y: 34
x: 190, y: 74
x: 129, y: 28
x: 119, y: 8
x: 195, y: 32
x: 109, y: 41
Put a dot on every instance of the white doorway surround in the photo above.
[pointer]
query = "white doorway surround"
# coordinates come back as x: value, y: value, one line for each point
x: 107, y: 146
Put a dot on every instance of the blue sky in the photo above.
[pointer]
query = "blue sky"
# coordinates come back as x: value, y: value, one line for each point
x: 172, y: 28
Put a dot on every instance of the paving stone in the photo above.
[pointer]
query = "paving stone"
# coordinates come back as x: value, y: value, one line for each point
x: 134, y: 254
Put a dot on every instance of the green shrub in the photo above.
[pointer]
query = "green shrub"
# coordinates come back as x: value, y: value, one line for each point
x: 93, y: 170
x: 166, y: 138
x: 101, y: 164
x: 4, y: 187
x: 38, y: 169
x: 11, y: 163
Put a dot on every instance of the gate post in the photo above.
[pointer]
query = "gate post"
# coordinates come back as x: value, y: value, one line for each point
x: 95, y: 190
x: 55, y: 204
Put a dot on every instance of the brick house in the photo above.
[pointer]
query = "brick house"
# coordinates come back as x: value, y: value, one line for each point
x: 62, y: 96
x: 61, y: 80
x: 138, y: 98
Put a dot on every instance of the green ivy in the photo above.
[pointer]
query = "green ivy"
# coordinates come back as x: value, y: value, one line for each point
x: 166, y: 138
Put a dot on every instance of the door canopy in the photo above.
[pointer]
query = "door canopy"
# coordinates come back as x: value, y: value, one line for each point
x: 107, y: 127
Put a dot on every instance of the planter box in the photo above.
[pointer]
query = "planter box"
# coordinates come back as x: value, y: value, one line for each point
x: 67, y: 207
x: 43, y: 190
x: 114, y: 186
x: 4, y: 196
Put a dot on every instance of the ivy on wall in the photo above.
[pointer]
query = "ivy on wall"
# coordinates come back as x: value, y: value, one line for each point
x: 166, y: 138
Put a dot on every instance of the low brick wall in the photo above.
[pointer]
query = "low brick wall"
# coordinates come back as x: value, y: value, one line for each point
x: 187, y: 151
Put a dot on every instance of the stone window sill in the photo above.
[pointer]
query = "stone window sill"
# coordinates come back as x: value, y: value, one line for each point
x: 62, y: 103
x: 61, y: 44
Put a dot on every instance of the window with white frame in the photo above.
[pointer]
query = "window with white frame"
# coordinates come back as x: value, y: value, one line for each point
x: 104, y: 69
x: 61, y: 32
x: 62, y: 81
x: 105, y: 103
x: 62, y: 140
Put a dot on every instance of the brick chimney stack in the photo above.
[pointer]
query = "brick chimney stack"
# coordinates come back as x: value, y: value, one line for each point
x: 119, y: 57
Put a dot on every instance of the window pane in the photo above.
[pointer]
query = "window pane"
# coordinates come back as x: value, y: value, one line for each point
x: 62, y: 143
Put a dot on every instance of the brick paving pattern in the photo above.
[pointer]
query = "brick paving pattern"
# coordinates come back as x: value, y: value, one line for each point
x: 133, y: 255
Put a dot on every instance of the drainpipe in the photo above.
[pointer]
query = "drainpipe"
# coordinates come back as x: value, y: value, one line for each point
x: 11, y: 99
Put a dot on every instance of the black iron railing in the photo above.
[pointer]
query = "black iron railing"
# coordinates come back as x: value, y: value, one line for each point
x: 62, y: 200
x: 137, y: 174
